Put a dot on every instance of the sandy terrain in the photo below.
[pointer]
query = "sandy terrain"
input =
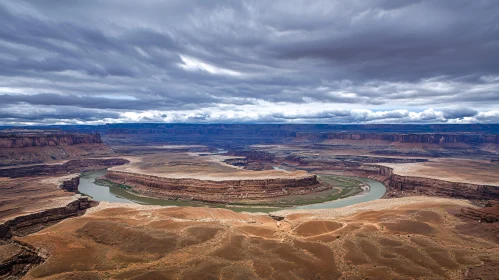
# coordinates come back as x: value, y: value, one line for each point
x: 399, y: 239
x: 25, y: 195
x: 376, y: 205
x: 452, y: 169
x: 194, y: 166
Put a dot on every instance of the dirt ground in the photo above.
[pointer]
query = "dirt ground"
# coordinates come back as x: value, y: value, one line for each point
x: 398, y: 239
x: 20, y: 196
x: 195, y: 166
x: 452, y: 169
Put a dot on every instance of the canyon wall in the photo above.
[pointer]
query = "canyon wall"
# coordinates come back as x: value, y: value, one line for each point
x: 71, y: 166
x: 23, y: 256
x: 400, y: 186
x: 23, y: 140
x: 239, y: 135
x: 28, y: 148
x: 26, y: 224
x: 71, y: 185
x: 431, y: 138
x: 253, y: 155
x: 419, y: 185
x: 214, y: 191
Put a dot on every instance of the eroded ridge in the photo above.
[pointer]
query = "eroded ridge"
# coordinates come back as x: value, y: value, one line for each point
x: 406, y: 239
x: 208, y: 178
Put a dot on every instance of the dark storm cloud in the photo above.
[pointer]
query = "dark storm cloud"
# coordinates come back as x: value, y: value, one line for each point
x: 365, y: 61
x: 44, y: 115
x: 458, y: 113
x: 101, y: 102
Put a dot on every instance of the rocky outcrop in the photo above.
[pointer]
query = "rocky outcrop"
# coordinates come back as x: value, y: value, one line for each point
x: 253, y: 159
x: 488, y: 214
x: 400, y: 186
x: 23, y: 140
x: 71, y: 185
x: 237, y: 161
x: 71, y: 166
x: 214, y: 191
x: 253, y: 155
x: 419, y: 185
x: 331, y: 159
x: 24, y: 225
x: 23, y: 256
x: 430, y: 138
x: 38, y: 147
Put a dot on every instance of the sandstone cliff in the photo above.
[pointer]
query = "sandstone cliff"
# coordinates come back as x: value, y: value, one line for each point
x: 431, y: 138
x: 71, y: 185
x: 26, y: 224
x: 24, y: 140
x: 214, y: 191
x: 22, y: 256
x: 71, y: 166
x: 400, y: 186
x: 27, y: 148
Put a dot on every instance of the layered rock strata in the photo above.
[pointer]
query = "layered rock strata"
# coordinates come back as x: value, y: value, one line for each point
x: 431, y: 138
x: 399, y: 186
x: 418, y: 185
x: 488, y: 214
x: 17, y: 258
x: 28, y: 148
x: 70, y: 166
x: 23, y: 140
x: 71, y: 185
x: 212, y: 190
x: 26, y: 224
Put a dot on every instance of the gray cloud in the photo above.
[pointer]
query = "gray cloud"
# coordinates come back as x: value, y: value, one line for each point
x: 458, y: 113
x: 193, y: 60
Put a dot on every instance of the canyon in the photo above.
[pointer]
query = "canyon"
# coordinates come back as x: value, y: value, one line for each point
x: 408, y: 239
x: 39, y: 147
x: 437, y: 220
x: 70, y: 166
x: 207, y: 178
x: 387, y: 170
x: 221, y: 191
x: 431, y: 138
x: 41, y: 139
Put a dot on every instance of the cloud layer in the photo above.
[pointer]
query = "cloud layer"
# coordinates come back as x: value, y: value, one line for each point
x: 370, y: 61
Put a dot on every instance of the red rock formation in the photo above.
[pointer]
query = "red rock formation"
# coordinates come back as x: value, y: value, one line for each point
x: 488, y: 214
x: 71, y: 185
x: 25, y: 256
x: 432, y: 138
x: 24, y: 225
x: 419, y: 185
x: 253, y: 155
x: 399, y: 186
x: 28, y: 148
x: 70, y: 166
x: 214, y: 191
x: 24, y: 140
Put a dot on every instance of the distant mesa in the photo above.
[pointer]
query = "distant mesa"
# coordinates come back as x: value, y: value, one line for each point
x: 28, y: 147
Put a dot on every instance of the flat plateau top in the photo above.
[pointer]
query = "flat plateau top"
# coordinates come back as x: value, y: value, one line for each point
x: 480, y: 172
x: 201, y: 167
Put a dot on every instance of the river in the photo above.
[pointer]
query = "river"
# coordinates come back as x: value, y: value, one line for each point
x: 115, y: 194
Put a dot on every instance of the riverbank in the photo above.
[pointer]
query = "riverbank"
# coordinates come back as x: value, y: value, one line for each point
x: 103, y: 190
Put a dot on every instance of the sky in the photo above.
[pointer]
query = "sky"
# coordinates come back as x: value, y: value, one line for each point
x: 356, y: 61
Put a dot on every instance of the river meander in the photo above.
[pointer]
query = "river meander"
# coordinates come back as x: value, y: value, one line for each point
x: 115, y: 194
